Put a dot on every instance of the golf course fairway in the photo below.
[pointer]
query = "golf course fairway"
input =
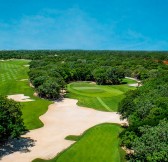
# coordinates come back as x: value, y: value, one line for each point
x: 14, y: 80
x: 98, y: 144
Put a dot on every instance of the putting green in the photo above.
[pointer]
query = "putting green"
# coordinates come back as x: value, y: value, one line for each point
x: 100, y: 97
x: 11, y: 74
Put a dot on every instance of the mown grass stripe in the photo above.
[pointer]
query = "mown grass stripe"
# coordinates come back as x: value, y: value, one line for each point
x: 103, y: 104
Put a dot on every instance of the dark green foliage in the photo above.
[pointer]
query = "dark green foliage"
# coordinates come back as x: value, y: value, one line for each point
x: 148, y: 104
x: 106, y: 75
x: 152, y: 146
x: 100, y: 75
x: 147, y: 111
x: 11, y: 123
x: 127, y: 138
x: 49, y: 89
x: 126, y: 106
x: 39, y: 81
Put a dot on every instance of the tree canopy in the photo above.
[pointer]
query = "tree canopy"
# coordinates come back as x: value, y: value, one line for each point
x: 147, y: 111
x: 11, y: 123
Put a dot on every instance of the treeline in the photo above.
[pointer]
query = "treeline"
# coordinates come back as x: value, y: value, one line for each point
x: 41, y: 54
x: 50, y: 74
x: 147, y: 112
x: 50, y: 77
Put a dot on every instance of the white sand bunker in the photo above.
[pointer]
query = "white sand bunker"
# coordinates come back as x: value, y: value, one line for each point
x: 92, y: 83
x: 135, y: 85
x: 19, y: 98
x: 62, y: 119
x: 35, y: 94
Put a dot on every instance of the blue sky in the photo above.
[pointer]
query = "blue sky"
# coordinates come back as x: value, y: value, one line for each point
x: 84, y: 24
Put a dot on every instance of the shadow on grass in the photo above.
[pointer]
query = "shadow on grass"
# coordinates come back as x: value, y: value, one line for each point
x: 11, y: 146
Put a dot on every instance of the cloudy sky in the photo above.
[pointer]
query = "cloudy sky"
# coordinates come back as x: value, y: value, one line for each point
x: 84, y: 24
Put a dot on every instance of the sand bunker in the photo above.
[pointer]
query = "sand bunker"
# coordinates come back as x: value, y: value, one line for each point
x: 138, y: 84
x: 31, y: 85
x: 92, y: 83
x: 132, y: 78
x: 62, y: 119
x: 35, y: 94
x: 135, y: 85
x: 19, y: 98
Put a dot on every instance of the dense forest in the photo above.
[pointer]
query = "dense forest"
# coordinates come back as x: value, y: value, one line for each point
x: 147, y: 111
x: 146, y: 107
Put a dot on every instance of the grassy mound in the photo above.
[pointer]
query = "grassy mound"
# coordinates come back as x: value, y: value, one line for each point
x: 98, y: 144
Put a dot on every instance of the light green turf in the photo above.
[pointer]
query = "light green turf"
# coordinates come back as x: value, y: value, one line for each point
x: 100, y: 97
x: 11, y: 72
x: 98, y: 144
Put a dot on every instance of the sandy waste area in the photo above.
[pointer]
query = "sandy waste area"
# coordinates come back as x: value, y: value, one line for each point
x: 62, y: 119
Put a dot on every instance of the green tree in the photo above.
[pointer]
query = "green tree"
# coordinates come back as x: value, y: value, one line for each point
x: 100, y: 75
x: 39, y: 81
x: 50, y: 89
x: 114, y: 75
x: 152, y: 146
x: 11, y: 122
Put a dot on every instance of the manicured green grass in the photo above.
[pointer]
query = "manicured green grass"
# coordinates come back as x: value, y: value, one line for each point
x: 98, y: 144
x: 11, y: 72
x: 100, y: 97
